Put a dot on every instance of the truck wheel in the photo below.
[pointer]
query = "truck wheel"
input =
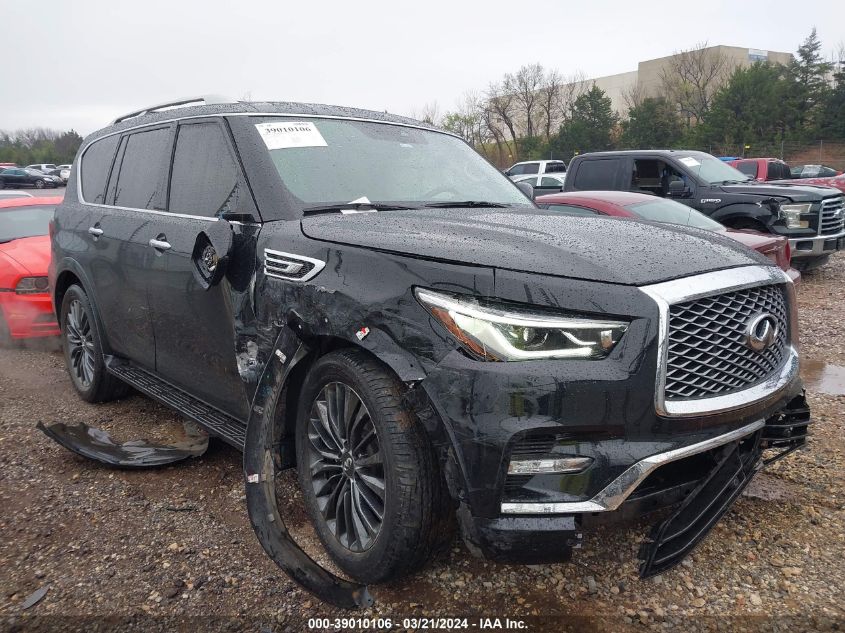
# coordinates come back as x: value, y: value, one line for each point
x: 368, y: 474
x: 84, y: 351
x: 743, y: 223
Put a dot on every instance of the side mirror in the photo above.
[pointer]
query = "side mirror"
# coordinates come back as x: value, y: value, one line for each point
x: 527, y: 189
x: 678, y: 189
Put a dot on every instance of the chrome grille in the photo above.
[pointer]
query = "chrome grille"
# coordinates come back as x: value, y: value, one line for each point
x: 833, y: 216
x: 289, y: 266
x: 707, y: 355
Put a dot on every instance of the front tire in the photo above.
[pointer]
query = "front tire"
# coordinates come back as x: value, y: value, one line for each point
x: 368, y: 474
x: 84, y: 351
x: 39, y: 184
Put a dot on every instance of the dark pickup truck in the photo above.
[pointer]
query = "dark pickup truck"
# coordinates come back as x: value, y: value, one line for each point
x: 812, y: 217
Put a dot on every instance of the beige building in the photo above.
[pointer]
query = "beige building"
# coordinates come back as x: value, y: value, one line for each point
x: 646, y: 81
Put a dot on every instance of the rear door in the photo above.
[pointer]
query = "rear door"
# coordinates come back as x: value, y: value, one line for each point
x: 195, y: 325
x: 135, y: 197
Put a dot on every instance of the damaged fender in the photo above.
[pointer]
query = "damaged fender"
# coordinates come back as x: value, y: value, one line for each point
x: 260, y: 471
x: 98, y: 445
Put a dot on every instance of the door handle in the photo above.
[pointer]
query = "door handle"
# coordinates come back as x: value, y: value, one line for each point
x: 160, y: 245
x: 95, y: 231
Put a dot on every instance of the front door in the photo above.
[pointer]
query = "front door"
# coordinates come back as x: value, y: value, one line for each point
x: 196, y: 346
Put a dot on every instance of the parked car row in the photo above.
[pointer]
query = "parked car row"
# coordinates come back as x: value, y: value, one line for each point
x: 39, y: 175
x: 425, y: 349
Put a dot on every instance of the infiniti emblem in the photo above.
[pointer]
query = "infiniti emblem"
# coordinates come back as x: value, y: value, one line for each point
x: 761, y: 331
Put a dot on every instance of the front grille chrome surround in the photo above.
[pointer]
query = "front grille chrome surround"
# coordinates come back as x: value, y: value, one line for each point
x: 707, y: 354
x: 745, y: 383
x: 832, y: 218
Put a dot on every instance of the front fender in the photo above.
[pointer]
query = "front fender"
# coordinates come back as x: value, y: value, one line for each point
x: 262, y: 461
x: 759, y: 212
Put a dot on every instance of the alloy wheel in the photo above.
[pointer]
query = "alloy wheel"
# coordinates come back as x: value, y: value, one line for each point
x: 346, y: 467
x: 80, y: 342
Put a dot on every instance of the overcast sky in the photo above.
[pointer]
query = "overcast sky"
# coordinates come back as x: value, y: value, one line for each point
x: 79, y: 64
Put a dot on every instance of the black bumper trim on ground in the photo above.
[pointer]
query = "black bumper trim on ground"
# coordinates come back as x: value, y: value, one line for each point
x: 671, y: 540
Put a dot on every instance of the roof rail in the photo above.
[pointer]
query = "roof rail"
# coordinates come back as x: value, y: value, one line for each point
x: 205, y: 99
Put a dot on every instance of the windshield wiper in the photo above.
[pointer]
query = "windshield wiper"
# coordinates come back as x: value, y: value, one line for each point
x: 465, y: 203
x: 356, y: 206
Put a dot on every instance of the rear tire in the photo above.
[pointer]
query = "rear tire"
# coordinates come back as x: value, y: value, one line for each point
x: 379, y: 512
x: 84, y: 351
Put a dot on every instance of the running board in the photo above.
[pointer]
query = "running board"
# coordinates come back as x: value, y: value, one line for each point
x: 217, y: 423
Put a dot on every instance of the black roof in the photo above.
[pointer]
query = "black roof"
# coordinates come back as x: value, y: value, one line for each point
x: 653, y: 152
x: 258, y: 107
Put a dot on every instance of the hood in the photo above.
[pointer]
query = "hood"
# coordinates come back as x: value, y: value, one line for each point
x: 796, y: 193
x: 28, y: 255
x: 613, y: 250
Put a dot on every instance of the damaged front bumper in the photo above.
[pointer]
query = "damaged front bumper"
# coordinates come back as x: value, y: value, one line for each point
x: 699, y: 482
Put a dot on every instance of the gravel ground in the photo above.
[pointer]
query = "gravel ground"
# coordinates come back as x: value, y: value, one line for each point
x: 172, y: 549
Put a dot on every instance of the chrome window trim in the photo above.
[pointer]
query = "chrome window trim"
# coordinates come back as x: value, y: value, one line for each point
x: 223, y: 115
x: 615, y: 493
x: 696, y: 287
x: 317, y: 263
x: 187, y: 216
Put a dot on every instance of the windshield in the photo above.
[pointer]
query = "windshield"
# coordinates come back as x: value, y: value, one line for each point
x: 672, y: 212
x: 25, y: 222
x: 328, y: 161
x: 712, y: 170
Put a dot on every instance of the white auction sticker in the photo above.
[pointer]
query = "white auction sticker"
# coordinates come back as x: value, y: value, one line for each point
x: 280, y: 135
x: 689, y: 161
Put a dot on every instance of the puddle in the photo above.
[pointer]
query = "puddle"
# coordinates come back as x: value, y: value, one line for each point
x: 821, y: 377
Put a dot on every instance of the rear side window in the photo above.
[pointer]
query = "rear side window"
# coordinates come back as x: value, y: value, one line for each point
x: 597, y: 174
x: 141, y: 178
x: 96, y: 163
x: 555, y: 168
x: 205, y: 178
x: 749, y: 167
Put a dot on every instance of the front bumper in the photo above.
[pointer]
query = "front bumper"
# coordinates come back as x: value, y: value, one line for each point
x: 28, y: 316
x: 818, y: 246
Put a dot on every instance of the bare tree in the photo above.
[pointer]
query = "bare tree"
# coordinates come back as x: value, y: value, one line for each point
x: 692, y: 78
x: 502, y: 107
x: 525, y: 86
x: 633, y: 96
x: 550, y: 102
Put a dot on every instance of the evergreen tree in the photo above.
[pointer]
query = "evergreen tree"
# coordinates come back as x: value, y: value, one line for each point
x: 589, y: 126
x: 653, y: 123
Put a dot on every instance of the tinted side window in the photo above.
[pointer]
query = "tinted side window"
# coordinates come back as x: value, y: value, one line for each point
x: 531, y: 168
x: 749, y: 167
x: 555, y: 168
x: 96, y: 163
x: 597, y: 174
x: 141, y: 178
x: 516, y: 170
x: 205, y: 177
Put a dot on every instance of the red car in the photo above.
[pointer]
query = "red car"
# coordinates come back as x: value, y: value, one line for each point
x: 762, y: 169
x: 625, y: 204
x: 26, y: 310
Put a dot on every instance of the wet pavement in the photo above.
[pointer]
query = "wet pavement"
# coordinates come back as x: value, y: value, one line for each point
x: 822, y: 377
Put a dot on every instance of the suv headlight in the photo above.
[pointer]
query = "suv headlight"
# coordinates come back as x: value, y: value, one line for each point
x: 501, y: 332
x: 791, y: 213
x: 32, y: 285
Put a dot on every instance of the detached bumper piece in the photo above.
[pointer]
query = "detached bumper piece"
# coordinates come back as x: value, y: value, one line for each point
x: 787, y: 431
x: 98, y: 445
x: 674, y: 538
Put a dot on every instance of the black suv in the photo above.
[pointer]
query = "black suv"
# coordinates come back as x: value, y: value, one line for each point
x: 812, y: 217
x: 364, y: 298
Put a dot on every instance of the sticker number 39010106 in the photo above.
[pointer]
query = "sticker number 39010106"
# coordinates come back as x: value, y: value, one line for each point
x: 284, y: 134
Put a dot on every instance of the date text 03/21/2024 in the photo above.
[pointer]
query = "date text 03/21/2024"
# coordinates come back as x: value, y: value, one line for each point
x: 416, y: 623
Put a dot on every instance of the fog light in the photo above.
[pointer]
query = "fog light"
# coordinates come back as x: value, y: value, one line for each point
x: 548, y: 465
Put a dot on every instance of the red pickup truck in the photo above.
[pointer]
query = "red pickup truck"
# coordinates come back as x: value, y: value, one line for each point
x: 762, y: 169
